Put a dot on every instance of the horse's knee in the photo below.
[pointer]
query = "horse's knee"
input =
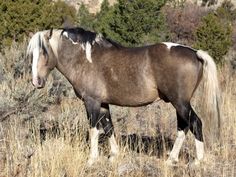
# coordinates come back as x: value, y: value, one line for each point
x: 93, y: 110
x: 106, y: 121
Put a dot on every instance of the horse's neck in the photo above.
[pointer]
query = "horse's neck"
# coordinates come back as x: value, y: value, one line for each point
x: 71, y: 69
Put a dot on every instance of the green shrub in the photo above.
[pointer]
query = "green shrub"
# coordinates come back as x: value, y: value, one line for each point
x: 215, y: 36
x: 19, y: 17
x: 133, y: 22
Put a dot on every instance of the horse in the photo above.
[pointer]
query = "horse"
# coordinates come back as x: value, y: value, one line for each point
x: 102, y: 72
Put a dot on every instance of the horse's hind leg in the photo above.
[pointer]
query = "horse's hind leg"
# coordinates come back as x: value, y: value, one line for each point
x: 187, y: 119
x: 183, y: 127
x: 196, y: 129
x: 106, y: 121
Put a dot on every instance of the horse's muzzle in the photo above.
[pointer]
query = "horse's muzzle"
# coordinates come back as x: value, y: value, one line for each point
x: 38, y: 82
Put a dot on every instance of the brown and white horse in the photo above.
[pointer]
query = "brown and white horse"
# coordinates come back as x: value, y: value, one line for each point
x: 103, y: 72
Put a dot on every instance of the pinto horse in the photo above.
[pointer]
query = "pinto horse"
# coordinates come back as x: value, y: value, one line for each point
x: 102, y: 72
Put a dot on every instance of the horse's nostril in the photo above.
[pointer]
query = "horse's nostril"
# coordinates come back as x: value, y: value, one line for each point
x: 39, y: 81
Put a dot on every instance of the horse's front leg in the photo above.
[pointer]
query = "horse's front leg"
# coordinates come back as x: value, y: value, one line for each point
x: 108, y: 127
x: 93, y: 110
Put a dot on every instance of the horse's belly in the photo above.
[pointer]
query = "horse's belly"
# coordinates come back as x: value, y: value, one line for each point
x: 132, y: 89
x: 134, y: 97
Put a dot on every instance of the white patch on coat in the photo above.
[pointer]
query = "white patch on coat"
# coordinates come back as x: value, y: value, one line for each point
x: 170, y: 44
x: 67, y: 36
x: 174, y: 154
x: 98, y: 38
x: 87, y: 47
x: 88, y: 51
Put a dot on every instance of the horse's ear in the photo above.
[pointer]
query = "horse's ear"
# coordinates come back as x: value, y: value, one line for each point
x: 48, y: 35
x: 67, y: 23
x: 30, y: 34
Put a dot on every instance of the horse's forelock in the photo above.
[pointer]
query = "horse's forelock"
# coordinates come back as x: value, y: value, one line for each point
x: 33, y: 44
x: 36, y: 42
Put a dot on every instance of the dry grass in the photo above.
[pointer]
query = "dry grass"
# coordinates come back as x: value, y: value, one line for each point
x: 44, y: 132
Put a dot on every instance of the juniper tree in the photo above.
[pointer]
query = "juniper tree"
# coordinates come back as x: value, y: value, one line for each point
x: 20, y: 17
x: 215, y: 35
x: 132, y: 22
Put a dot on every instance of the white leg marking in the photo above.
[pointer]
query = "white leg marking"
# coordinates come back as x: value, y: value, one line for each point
x: 94, y: 134
x: 113, y: 144
x: 88, y: 51
x: 174, y: 154
x: 114, y: 148
x: 199, y: 149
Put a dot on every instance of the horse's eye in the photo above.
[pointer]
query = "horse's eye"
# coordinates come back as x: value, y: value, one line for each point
x: 44, y: 52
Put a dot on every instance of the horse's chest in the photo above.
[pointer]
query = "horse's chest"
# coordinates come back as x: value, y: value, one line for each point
x: 90, y: 86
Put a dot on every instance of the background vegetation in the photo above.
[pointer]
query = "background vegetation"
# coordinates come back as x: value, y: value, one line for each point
x: 131, y: 23
x: 44, y: 132
x: 215, y: 32
x: 19, y: 18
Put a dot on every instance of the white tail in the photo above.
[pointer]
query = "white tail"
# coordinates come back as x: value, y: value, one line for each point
x: 211, y: 93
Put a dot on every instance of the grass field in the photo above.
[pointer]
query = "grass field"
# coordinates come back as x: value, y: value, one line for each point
x: 43, y: 133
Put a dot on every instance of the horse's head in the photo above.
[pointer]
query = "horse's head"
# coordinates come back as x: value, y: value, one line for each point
x: 42, y: 49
